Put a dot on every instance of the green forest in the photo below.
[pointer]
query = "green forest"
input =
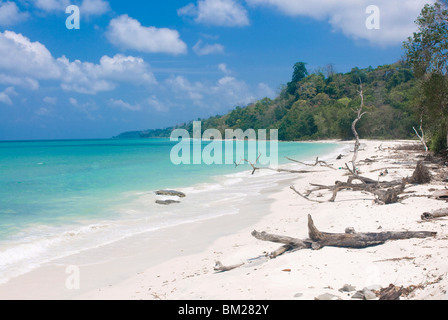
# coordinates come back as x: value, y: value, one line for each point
x: 411, y: 93
x: 321, y: 106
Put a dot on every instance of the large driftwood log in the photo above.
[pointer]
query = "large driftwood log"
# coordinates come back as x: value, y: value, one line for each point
x: 359, y: 240
x: 351, y: 239
x: 318, y: 240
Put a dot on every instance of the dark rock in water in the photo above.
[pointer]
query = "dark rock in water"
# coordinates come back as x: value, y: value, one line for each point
x: 170, y: 193
x: 166, y: 202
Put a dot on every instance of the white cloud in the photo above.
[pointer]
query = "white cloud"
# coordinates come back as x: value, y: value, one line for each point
x: 5, y: 96
x: 90, y: 78
x: 73, y: 102
x: 25, y: 82
x: 185, y: 89
x: 87, y: 107
x: 128, y: 33
x: 229, y: 13
x: 206, y: 49
x: 10, y: 14
x: 155, y: 104
x: 265, y: 90
x: 349, y: 16
x: 220, y: 96
x: 124, y: 105
x: 30, y: 59
x: 223, y: 68
x: 86, y: 7
x: 42, y: 111
x: 94, y: 7
x: 52, y: 5
x: 23, y: 62
x: 50, y: 100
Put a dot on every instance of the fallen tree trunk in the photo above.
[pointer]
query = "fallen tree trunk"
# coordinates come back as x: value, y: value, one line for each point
x: 359, y: 240
x: 318, y: 239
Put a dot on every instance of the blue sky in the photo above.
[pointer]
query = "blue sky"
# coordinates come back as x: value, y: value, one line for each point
x: 135, y: 65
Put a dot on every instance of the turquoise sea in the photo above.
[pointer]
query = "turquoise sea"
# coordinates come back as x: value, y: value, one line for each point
x: 60, y: 198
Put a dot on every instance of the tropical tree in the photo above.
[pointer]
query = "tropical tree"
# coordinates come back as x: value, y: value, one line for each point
x: 427, y: 52
x: 299, y: 73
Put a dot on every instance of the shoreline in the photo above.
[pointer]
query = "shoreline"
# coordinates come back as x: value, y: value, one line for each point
x: 306, y: 274
x: 108, y: 264
x: 182, y: 268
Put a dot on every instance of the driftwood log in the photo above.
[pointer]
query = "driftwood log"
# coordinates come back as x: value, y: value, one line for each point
x: 219, y: 267
x: 316, y: 162
x: 350, y: 239
x: 385, y: 192
x: 318, y: 240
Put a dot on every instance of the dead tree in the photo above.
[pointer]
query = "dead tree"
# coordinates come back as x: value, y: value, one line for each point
x: 359, y: 115
x: 422, y: 136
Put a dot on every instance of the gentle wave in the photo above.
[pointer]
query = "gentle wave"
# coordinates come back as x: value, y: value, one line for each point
x: 138, y: 213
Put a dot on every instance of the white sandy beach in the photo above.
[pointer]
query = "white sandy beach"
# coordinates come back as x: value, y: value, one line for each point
x: 305, y: 274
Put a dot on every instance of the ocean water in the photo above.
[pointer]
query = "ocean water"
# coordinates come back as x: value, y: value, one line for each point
x: 60, y: 198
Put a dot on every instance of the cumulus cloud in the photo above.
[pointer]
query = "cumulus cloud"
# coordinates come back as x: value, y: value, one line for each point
x: 25, y: 82
x: 124, y: 105
x: 51, y: 5
x: 128, y: 33
x: 90, y: 78
x: 94, y: 7
x: 23, y: 62
x: 349, y: 17
x: 50, y: 100
x: 223, y: 68
x: 202, y: 49
x: 86, y: 7
x: 222, y: 95
x: 5, y: 96
x: 10, y: 14
x: 155, y: 104
x: 21, y: 56
x: 229, y: 13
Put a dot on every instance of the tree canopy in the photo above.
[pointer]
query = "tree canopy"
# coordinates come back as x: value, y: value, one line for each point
x: 427, y: 53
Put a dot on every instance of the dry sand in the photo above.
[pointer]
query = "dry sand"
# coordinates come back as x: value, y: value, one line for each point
x: 306, y: 274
